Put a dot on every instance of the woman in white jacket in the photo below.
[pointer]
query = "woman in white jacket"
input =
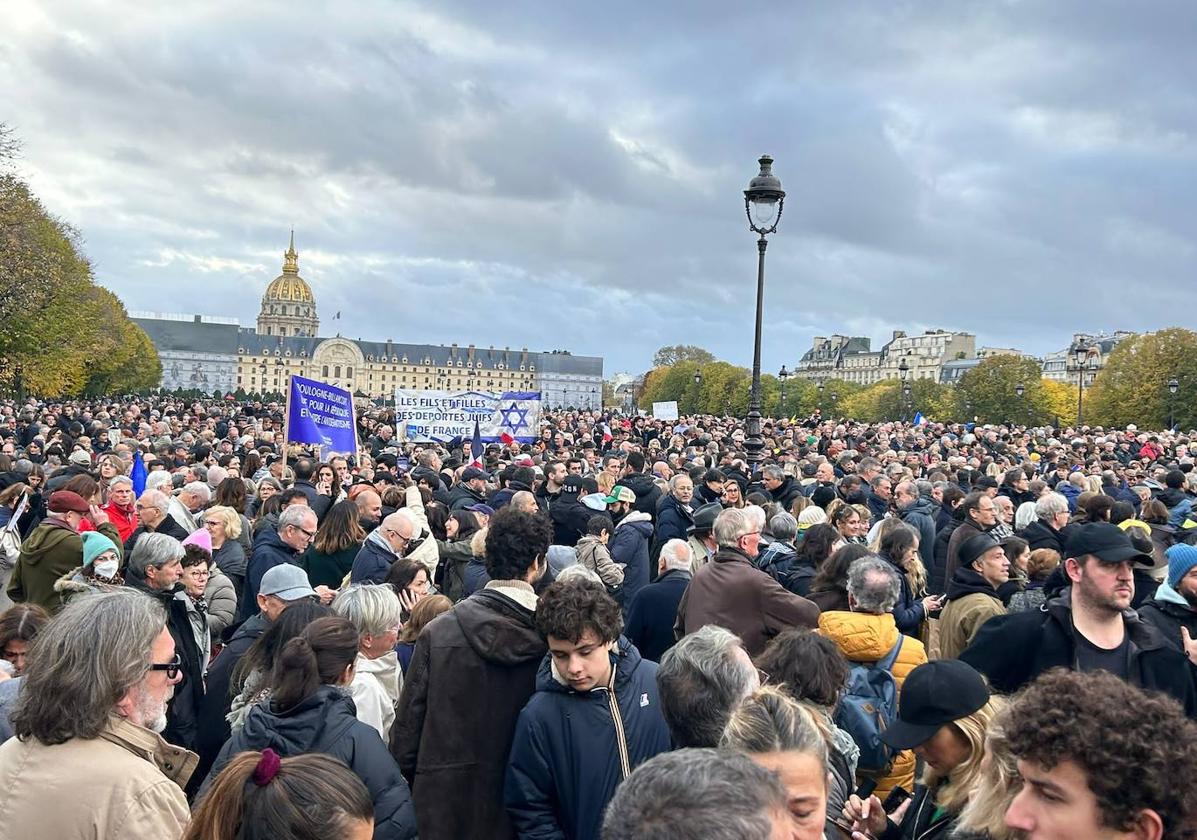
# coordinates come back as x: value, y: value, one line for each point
x: 374, y: 610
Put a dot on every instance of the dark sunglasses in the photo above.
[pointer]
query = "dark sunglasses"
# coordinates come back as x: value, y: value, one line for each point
x: 171, y: 668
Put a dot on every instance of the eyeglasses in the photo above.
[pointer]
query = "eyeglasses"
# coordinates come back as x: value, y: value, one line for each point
x: 214, y: 522
x: 306, y: 532
x: 171, y: 668
x: 395, y: 533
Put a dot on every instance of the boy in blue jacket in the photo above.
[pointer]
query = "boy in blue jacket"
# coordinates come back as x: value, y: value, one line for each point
x: 594, y: 717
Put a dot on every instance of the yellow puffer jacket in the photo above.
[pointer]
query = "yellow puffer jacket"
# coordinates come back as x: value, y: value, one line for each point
x: 867, y: 638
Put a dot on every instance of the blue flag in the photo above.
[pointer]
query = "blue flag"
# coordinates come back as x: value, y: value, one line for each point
x: 919, y: 419
x: 138, y: 474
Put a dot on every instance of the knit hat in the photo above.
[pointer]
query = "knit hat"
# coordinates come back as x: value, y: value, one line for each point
x: 824, y: 496
x: 1181, y: 558
x: 200, y: 538
x: 812, y: 515
x: 95, y: 544
x: 80, y: 458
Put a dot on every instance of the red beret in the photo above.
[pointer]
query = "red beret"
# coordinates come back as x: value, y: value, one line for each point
x: 62, y: 501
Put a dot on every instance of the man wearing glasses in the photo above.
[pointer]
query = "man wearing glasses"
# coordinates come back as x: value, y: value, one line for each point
x: 383, y: 546
x: 115, y: 640
x: 296, y: 529
x: 155, y: 568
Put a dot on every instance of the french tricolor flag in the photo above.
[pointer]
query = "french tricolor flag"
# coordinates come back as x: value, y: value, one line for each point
x: 607, y: 437
x: 476, y: 447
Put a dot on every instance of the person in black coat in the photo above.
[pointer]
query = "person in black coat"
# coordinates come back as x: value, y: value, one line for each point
x: 319, y: 498
x: 1012, y: 650
x: 675, y: 516
x: 783, y: 488
x: 648, y: 494
x: 154, y: 568
x: 1173, y: 607
x: 653, y: 610
x: 296, y: 528
x: 568, y: 515
x: 309, y: 712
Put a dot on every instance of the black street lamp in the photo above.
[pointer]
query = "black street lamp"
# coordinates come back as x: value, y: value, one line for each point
x: 1019, y: 389
x: 698, y: 377
x: 763, y: 202
x: 819, y: 388
x: 1083, y: 361
x: 1173, y: 387
x: 783, y: 375
x: 968, y: 409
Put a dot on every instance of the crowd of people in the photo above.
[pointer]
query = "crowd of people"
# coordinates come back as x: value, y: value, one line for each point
x: 624, y: 628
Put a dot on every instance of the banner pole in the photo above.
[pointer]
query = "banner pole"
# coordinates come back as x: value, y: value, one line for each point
x: 286, y: 424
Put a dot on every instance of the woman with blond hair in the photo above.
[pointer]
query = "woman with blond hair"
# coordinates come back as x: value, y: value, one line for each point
x: 944, y: 715
x: 223, y: 525
x: 779, y: 734
x: 998, y: 782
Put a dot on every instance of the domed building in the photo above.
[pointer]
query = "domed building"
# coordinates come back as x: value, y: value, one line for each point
x: 289, y: 307
x: 206, y: 353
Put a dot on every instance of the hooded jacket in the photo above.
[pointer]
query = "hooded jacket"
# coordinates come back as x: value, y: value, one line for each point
x: 462, y: 497
x: 1012, y: 650
x: 1168, y: 612
x: 595, y: 556
x: 648, y: 494
x: 731, y: 592
x: 972, y: 601
x: 213, y: 725
x: 921, y: 516
x: 50, y: 551
x: 1180, y: 506
x: 573, y: 748
x: 222, y: 602
x: 325, y: 722
x: 673, y: 523
x: 867, y: 638
x: 629, y: 545
x: 569, y: 517
x: 455, y: 757
x: 73, y: 583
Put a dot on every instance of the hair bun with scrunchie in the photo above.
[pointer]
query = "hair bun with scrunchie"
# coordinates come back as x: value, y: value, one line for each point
x: 268, y: 767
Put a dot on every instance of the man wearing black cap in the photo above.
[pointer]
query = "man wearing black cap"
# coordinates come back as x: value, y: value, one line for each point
x: 1089, y: 626
x: 973, y: 593
x: 702, y: 535
x: 470, y: 489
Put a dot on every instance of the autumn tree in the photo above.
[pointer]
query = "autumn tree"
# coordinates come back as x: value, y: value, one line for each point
x: 1132, y: 387
x: 62, y: 334
x: 989, y: 392
x: 675, y: 353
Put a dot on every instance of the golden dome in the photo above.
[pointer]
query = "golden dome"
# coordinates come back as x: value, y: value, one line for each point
x: 289, y: 287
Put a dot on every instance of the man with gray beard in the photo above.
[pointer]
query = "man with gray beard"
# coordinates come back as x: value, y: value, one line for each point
x: 82, y: 764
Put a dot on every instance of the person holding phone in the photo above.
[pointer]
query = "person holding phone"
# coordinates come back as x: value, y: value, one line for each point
x: 943, y: 715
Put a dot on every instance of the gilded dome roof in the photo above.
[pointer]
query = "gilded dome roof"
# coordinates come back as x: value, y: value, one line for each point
x: 289, y: 287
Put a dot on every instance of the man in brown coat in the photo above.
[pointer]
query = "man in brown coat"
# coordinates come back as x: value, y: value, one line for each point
x: 733, y: 593
x: 472, y: 671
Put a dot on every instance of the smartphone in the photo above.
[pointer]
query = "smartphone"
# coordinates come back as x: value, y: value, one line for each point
x: 895, y: 799
x: 847, y: 828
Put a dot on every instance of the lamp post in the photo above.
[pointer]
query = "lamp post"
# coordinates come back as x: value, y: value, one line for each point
x: 763, y: 202
x: 1173, y: 387
x: 783, y: 375
x: 1019, y: 390
x: 834, y: 398
x: 698, y: 388
x: 1083, y: 361
x: 968, y: 410
x: 903, y: 372
x: 819, y: 388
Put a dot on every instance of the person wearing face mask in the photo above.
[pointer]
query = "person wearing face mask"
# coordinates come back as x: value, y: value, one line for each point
x: 595, y: 716
x: 100, y: 571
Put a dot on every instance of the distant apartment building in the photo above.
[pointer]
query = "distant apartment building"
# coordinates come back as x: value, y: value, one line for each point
x: 851, y: 358
x: 1061, y: 364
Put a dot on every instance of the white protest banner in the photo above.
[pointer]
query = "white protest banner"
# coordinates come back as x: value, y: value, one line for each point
x: 665, y: 410
x: 445, y: 415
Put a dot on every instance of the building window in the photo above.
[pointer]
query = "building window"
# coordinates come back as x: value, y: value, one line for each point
x: 349, y: 372
x: 336, y: 371
x: 324, y: 372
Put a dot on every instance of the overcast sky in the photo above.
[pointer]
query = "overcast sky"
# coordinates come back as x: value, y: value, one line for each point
x: 562, y: 175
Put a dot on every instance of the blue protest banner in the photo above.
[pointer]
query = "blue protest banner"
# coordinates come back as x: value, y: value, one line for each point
x: 321, y: 414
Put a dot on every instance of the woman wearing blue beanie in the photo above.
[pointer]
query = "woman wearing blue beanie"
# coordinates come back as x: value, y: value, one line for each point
x: 100, y: 570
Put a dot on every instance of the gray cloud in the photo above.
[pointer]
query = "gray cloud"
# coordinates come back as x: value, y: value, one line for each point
x: 557, y: 176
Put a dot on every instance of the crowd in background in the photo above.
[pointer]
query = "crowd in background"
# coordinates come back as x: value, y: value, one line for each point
x: 623, y: 628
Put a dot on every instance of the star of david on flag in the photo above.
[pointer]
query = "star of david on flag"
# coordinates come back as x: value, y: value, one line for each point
x: 517, y: 415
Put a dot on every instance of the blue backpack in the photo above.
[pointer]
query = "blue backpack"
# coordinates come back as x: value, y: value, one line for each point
x: 869, y: 705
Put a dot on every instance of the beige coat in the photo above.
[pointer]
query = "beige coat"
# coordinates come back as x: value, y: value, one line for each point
x: 124, y: 785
